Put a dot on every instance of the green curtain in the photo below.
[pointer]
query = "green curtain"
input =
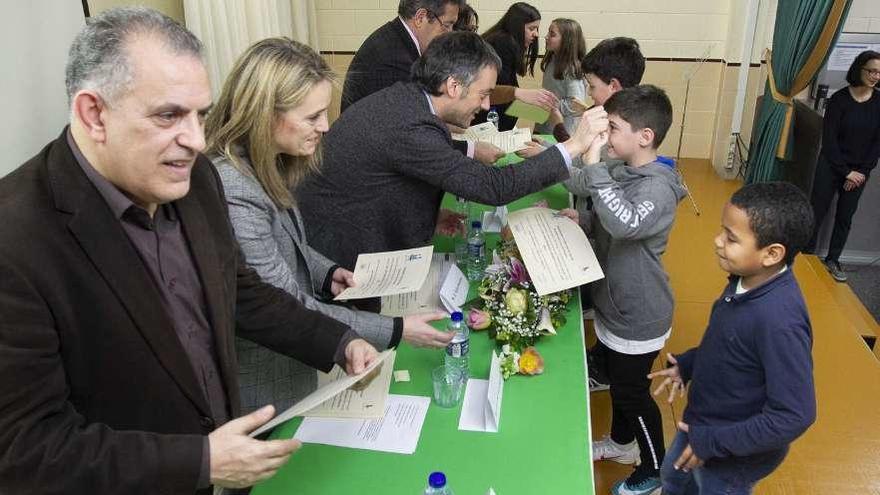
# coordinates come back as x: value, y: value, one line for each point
x: 802, y: 37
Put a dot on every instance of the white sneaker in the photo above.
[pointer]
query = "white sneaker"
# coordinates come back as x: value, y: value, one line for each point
x: 609, y: 450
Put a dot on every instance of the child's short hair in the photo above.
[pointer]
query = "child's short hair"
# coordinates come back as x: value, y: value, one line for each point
x: 643, y: 107
x: 778, y: 213
x: 616, y: 58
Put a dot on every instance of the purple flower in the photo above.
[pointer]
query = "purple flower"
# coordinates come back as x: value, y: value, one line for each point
x: 518, y: 273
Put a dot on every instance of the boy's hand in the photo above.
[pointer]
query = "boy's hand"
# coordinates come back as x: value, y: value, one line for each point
x: 688, y: 459
x: 594, y: 152
x: 555, y: 117
x: 593, y: 123
x: 673, y: 380
x: 569, y: 213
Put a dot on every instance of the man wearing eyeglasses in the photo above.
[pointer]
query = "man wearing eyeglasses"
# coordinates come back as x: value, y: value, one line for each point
x: 388, y: 54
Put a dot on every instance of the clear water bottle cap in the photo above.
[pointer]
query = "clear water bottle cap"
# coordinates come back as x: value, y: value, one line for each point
x: 437, y: 480
x: 457, y: 316
x: 476, y: 224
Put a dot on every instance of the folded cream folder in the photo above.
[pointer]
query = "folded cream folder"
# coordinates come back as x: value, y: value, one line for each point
x: 481, y: 408
x: 365, y: 403
x: 322, y: 394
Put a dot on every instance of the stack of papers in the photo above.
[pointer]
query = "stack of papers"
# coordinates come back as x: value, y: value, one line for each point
x: 509, y: 141
x: 397, y: 431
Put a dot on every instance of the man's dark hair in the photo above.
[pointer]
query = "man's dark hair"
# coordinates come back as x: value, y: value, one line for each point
x: 854, y: 74
x: 616, y: 58
x: 643, y: 107
x: 778, y: 213
x: 460, y: 55
x: 407, y: 8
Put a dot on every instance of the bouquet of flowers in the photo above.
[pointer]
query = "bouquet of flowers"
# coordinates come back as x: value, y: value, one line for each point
x: 513, y: 312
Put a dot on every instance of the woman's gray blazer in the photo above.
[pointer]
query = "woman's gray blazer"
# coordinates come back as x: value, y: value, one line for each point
x: 275, y: 245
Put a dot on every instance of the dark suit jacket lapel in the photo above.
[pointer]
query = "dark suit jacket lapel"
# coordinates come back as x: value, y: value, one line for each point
x: 195, y: 227
x: 405, y: 39
x: 106, y: 245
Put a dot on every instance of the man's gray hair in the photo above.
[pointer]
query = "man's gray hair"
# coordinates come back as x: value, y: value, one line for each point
x: 98, y: 59
x: 407, y: 8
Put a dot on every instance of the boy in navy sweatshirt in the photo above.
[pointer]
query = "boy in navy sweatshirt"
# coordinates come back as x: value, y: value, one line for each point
x: 751, y: 378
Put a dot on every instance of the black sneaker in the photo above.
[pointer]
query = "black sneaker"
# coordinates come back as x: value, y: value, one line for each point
x: 597, y: 378
x: 835, y: 270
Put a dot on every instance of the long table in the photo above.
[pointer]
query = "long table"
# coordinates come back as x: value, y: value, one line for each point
x: 543, y: 441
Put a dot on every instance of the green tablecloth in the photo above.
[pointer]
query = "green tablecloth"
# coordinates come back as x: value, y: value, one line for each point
x: 541, y: 446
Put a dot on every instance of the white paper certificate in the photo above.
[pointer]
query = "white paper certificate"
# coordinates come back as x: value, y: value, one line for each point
x: 427, y: 298
x: 397, y: 431
x: 554, y: 249
x: 391, y: 272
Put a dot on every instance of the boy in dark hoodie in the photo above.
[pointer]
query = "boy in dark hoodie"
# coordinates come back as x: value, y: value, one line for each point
x: 751, y: 378
x: 634, y: 201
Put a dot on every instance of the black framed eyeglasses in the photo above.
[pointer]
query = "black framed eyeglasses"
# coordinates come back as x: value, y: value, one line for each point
x: 447, y: 26
x: 871, y: 72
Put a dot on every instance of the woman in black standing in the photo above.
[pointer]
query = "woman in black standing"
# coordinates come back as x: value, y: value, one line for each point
x: 515, y: 39
x: 850, y: 149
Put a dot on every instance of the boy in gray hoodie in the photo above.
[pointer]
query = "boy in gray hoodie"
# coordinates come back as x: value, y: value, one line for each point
x: 634, y: 202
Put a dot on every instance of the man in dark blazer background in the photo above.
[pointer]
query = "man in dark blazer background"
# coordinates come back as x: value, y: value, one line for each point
x: 382, y: 180
x: 122, y: 287
x: 387, y: 55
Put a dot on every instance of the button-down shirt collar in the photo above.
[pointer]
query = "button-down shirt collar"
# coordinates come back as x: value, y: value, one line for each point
x: 411, y: 35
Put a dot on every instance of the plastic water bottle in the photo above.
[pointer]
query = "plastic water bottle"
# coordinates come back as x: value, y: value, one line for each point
x: 437, y: 485
x: 476, y: 247
x: 458, y: 350
x: 493, y: 117
x: 460, y: 238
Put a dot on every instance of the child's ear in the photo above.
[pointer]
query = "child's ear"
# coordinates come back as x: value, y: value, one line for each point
x: 646, y: 137
x: 615, y: 85
x: 773, y: 254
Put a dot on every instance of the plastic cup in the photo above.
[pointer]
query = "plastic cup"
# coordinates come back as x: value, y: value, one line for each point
x: 448, y: 386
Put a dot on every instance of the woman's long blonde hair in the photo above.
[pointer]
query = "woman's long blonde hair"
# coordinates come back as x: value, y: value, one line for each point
x: 271, y: 77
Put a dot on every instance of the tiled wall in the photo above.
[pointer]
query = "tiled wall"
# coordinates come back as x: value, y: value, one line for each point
x: 671, y: 28
x: 864, y: 17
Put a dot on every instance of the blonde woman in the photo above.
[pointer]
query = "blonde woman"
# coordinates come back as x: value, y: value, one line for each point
x: 264, y: 136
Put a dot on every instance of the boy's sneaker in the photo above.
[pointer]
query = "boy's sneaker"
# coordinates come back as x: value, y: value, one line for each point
x: 597, y: 379
x: 609, y: 450
x: 648, y: 486
x: 835, y: 270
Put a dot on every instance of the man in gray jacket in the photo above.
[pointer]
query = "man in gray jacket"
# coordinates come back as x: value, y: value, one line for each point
x: 389, y: 159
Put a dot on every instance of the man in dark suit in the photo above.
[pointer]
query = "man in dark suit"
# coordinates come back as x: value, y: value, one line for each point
x: 123, y: 285
x: 387, y: 55
x: 382, y: 179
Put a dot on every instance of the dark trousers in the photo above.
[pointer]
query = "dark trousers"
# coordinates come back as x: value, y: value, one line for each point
x: 710, y: 479
x: 826, y: 184
x: 634, y: 414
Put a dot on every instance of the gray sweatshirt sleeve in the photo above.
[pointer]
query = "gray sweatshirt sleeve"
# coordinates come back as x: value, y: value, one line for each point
x: 649, y: 211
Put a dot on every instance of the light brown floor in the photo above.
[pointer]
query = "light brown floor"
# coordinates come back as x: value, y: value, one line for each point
x: 841, y: 451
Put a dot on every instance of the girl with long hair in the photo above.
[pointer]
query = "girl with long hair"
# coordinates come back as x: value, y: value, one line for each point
x: 565, y: 48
